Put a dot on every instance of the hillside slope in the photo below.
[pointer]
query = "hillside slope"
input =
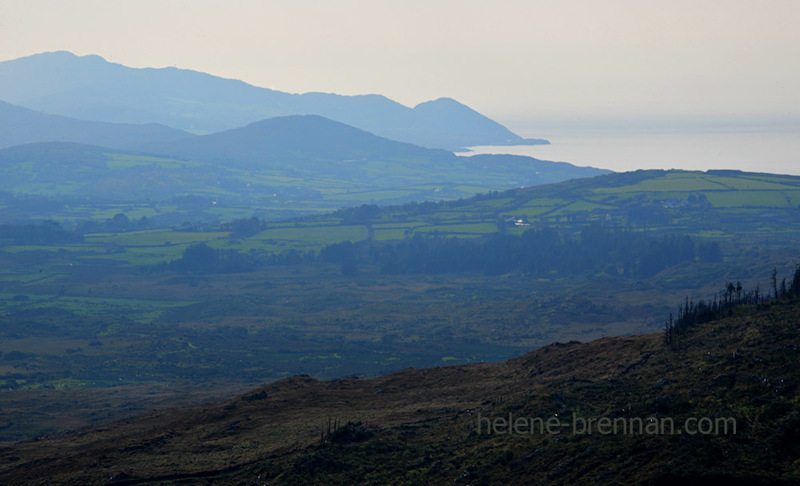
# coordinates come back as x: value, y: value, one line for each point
x: 301, y: 141
x: 91, y: 88
x: 20, y: 125
x: 277, y: 168
x: 708, y: 204
x: 428, y: 426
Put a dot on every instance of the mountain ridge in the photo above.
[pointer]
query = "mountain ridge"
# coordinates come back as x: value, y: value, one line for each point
x: 279, y: 168
x: 89, y: 87
x: 20, y: 125
x: 295, y: 139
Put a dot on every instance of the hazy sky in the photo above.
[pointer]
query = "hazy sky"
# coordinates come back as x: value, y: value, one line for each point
x: 509, y: 59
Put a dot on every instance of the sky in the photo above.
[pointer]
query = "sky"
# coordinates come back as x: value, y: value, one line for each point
x: 512, y: 60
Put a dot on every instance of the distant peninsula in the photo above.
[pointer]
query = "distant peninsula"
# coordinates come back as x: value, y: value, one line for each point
x: 91, y: 88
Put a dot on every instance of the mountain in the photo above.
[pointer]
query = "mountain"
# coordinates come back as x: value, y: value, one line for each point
x: 20, y: 125
x: 91, y: 88
x: 307, y: 141
x: 720, y: 407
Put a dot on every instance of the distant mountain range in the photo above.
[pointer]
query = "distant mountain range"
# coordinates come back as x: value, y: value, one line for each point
x: 20, y: 125
x: 91, y: 88
x: 273, y: 154
x: 277, y: 167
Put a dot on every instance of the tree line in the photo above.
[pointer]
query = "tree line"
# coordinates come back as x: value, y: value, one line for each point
x: 44, y: 233
x: 691, y: 314
x: 200, y: 258
x: 537, y: 252
x: 543, y: 252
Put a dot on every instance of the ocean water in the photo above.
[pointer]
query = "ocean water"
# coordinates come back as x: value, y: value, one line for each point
x: 773, y: 148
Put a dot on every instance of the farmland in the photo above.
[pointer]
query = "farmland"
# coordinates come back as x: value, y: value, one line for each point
x: 104, y: 308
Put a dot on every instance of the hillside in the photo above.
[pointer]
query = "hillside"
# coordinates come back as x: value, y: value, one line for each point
x: 421, y: 426
x: 20, y: 125
x: 303, y: 142
x: 276, y: 168
x: 712, y: 203
x: 728, y: 206
x: 91, y: 88
x: 59, y: 170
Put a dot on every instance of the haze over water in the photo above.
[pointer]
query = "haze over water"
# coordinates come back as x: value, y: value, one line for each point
x: 759, y: 147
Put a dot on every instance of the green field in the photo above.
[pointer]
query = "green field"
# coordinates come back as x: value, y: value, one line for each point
x: 159, y: 237
x: 752, y: 204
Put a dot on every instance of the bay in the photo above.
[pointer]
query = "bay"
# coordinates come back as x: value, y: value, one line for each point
x: 768, y: 148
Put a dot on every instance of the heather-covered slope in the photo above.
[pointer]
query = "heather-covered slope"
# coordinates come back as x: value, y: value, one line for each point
x: 429, y: 426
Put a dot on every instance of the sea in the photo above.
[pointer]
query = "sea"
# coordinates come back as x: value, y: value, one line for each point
x: 772, y: 146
